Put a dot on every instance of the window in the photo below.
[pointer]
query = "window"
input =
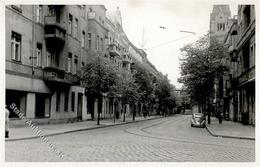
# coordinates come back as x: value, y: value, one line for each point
x: 89, y: 40
x: 75, y: 63
x: 76, y: 28
x: 101, y: 44
x: 51, y: 11
x: 39, y: 14
x: 70, y: 24
x: 246, y: 15
x: 97, y: 43
x: 221, y: 26
x: 66, y: 101
x: 72, y: 101
x: 39, y: 55
x: 48, y: 62
x: 69, y: 62
x: 16, y: 46
x: 252, y: 55
x: 246, y: 58
x: 58, y: 102
x: 83, y: 39
x: 52, y: 59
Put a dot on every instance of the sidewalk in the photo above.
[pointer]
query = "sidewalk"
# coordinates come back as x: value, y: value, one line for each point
x: 26, y: 132
x: 230, y: 129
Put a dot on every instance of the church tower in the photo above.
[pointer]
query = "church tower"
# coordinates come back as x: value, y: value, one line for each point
x: 220, y: 21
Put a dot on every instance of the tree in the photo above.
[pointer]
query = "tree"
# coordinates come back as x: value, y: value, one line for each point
x: 202, y: 63
x: 98, y: 77
x: 128, y: 89
x: 165, y: 94
x: 145, y: 83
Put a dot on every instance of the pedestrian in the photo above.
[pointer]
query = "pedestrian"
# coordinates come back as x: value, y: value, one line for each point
x: 7, y: 113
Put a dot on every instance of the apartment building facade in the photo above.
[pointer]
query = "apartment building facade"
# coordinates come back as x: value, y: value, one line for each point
x: 46, y: 45
x: 246, y: 64
x: 239, y: 82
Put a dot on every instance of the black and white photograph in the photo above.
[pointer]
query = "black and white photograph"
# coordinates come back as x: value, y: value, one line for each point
x: 170, y: 82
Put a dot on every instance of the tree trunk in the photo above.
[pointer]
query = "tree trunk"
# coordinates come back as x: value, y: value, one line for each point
x: 100, y: 101
x: 134, y: 112
x: 208, y: 108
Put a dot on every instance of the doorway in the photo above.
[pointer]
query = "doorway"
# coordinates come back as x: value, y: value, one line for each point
x: 79, y: 109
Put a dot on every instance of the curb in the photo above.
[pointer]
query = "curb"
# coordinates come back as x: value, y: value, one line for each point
x: 82, y: 129
x: 225, y: 136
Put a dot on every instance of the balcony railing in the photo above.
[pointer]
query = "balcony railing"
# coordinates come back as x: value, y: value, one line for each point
x: 126, y: 58
x: 113, y: 49
x: 247, y: 75
x: 244, y: 32
x: 53, y: 21
x: 54, y: 32
x: 54, y: 74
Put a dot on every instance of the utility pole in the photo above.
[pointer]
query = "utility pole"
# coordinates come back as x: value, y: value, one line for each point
x: 99, y: 93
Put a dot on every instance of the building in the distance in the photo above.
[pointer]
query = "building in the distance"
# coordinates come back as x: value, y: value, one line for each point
x: 219, y: 21
x: 219, y: 25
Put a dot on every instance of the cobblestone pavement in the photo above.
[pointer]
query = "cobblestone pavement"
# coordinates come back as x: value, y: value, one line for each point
x: 168, y: 139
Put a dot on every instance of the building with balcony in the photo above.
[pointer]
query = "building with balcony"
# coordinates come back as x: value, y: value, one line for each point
x: 246, y: 63
x: 45, y: 46
x: 239, y: 82
x: 230, y: 110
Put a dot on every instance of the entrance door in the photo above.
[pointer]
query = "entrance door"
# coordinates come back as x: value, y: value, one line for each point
x: 40, y: 106
x: 79, y: 110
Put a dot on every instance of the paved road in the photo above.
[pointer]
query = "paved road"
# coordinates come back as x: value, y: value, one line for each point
x: 167, y: 139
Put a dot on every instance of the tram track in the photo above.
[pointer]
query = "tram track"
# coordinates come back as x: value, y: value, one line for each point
x: 151, y: 135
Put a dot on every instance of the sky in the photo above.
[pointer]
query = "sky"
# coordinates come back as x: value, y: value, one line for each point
x: 163, y: 45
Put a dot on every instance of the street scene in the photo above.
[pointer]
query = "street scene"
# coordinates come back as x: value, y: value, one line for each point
x: 169, y: 139
x: 107, y: 83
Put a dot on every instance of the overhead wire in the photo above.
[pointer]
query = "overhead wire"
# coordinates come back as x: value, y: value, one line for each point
x: 171, y: 41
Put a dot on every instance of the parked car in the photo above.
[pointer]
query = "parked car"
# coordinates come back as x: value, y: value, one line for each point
x: 198, y: 120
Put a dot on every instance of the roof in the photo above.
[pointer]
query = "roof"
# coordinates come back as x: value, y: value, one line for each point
x: 221, y: 9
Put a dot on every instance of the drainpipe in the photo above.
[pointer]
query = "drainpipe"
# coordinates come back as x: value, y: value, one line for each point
x: 33, y: 36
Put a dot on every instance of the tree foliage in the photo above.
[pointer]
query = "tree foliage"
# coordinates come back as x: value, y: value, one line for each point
x: 144, y: 81
x: 164, y: 92
x: 128, y: 88
x: 98, y: 76
x: 202, y: 63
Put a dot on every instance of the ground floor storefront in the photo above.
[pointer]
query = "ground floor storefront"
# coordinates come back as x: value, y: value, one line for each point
x: 240, y: 106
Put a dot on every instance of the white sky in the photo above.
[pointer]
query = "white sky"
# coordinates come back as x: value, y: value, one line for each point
x: 175, y: 15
